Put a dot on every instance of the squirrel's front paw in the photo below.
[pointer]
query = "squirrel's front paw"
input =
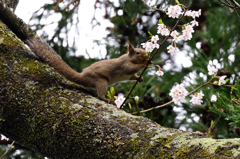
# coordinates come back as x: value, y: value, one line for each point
x: 140, y: 79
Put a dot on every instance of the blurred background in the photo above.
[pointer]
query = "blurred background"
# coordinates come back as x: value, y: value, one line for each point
x: 84, y: 31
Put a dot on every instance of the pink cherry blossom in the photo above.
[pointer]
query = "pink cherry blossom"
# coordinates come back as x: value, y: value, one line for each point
x: 120, y: 99
x: 194, y: 23
x: 155, y: 38
x: 197, y: 98
x: 174, y: 33
x: 178, y: 93
x: 165, y: 32
x: 160, y: 27
x: 160, y: 72
x: 149, y: 47
x: 156, y: 45
x: 172, y: 50
x: 212, y: 70
x: 222, y: 80
x: 174, y: 11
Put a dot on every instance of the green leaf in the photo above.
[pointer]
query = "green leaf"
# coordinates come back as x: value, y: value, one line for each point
x: 130, y: 106
x: 212, y: 123
x: 112, y: 90
x: 160, y: 21
x: 215, y: 82
x: 150, y: 33
x: 149, y: 54
x: 108, y: 94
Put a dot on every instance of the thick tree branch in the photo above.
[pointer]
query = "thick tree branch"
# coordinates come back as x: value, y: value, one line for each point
x: 46, y: 113
x: 10, y: 3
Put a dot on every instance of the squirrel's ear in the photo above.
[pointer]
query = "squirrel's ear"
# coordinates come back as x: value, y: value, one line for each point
x: 130, y: 49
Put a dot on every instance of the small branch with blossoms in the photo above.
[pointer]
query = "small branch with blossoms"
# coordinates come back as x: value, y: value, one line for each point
x: 178, y: 92
x: 149, y: 46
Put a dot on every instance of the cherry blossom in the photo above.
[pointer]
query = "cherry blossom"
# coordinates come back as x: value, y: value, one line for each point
x: 156, y: 45
x: 178, y: 93
x: 193, y: 14
x: 172, y: 50
x: 188, y: 13
x: 199, y: 12
x: 213, y: 98
x: 120, y: 99
x: 187, y: 33
x: 144, y: 45
x: 197, y: 98
x: 155, y: 38
x: 174, y: 11
x: 160, y: 72
x: 194, y: 23
x: 174, y: 33
x: 213, y: 66
x: 189, y: 29
x: 212, y: 70
x: 148, y: 46
x: 160, y: 27
x: 222, y: 80
x: 165, y: 32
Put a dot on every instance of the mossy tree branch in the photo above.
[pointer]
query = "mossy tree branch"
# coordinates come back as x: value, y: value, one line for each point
x: 43, y: 111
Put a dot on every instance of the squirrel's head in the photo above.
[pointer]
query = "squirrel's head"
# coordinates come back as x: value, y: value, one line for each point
x: 137, y: 55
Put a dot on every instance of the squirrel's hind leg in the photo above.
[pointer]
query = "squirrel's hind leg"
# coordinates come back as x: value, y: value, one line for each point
x: 101, y: 87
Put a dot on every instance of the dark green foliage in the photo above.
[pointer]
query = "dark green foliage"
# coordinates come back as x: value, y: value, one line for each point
x: 228, y: 107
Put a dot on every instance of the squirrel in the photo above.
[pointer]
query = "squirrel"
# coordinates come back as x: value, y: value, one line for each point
x: 100, y: 74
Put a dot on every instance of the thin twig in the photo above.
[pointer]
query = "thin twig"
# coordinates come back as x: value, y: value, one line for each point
x: 224, y: 85
x: 234, y: 6
x: 8, y: 149
x: 150, y: 109
x: 163, y: 105
x: 236, y: 12
x: 226, y: 4
x: 234, y: 1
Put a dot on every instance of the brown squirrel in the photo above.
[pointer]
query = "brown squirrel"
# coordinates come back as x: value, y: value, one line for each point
x: 99, y: 75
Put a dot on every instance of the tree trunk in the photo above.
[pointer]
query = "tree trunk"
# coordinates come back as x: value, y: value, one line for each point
x: 45, y: 112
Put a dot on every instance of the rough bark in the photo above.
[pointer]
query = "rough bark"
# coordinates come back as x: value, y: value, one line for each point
x: 43, y: 111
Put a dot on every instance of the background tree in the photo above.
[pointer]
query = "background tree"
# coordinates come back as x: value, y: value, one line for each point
x: 215, y: 38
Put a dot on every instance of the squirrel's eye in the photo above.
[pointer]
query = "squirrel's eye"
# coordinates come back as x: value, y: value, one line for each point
x: 138, y: 52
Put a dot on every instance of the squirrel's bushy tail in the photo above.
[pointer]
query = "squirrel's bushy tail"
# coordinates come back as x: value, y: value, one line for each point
x: 43, y: 51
